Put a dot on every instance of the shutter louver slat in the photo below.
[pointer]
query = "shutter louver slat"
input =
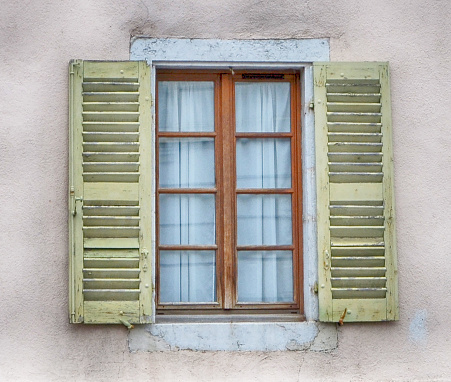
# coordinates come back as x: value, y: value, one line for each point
x: 114, y: 274
x: 357, y: 269
x: 111, y: 127
x: 352, y: 127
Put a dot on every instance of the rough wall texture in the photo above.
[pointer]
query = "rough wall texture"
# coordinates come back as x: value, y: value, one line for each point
x: 38, y: 39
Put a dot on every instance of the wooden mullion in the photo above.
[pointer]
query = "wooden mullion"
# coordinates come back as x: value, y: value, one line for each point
x: 229, y: 207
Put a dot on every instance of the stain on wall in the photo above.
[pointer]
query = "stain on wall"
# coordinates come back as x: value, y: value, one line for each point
x: 418, y: 331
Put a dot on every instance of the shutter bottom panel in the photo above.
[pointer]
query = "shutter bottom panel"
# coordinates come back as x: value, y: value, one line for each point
x: 110, y: 312
x: 372, y: 309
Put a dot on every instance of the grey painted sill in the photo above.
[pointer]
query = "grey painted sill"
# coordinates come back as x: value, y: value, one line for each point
x: 234, y: 336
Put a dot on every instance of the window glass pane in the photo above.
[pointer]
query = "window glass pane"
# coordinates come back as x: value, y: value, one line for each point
x: 187, y: 219
x: 186, y: 106
x: 187, y: 276
x: 262, y: 107
x: 264, y: 219
x: 263, y: 163
x: 186, y: 162
x: 265, y: 276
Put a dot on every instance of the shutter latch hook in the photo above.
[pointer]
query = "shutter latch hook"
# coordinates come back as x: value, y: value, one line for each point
x: 342, y: 317
x: 126, y: 323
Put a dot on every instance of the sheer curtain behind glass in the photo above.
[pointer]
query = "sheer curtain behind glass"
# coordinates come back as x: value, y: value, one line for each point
x: 264, y: 219
x: 186, y: 218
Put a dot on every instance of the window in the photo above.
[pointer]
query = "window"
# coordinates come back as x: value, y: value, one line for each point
x: 347, y: 198
x: 228, y: 191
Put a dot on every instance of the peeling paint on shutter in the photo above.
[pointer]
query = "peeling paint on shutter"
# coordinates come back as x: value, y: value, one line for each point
x: 110, y: 233
x: 356, y: 236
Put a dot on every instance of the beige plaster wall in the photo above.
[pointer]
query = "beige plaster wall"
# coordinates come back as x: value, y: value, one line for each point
x: 37, y: 39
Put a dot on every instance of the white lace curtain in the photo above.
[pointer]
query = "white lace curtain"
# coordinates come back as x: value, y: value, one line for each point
x: 189, y: 219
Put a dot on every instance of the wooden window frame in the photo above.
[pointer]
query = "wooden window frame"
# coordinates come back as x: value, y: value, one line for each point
x: 226, y: 248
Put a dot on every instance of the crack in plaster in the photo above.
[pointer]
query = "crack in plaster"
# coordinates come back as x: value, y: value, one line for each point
x: 305, y: 336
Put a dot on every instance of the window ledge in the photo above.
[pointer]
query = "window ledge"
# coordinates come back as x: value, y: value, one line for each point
x: 236, y: 336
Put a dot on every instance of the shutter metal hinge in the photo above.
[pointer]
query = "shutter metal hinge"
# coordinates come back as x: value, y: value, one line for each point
x: 73, y: 201
x: 315, y: 287
x: 326, y: 260
x: 311, y: 105
x: 144, y: 255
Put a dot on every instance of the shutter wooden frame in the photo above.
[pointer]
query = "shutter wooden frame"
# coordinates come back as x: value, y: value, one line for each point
x: 357, y: 262
x: 110, y: 265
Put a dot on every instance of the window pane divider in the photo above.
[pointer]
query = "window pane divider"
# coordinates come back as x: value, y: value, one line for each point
x: 265, y: 191
x: 263, y: 135
x: 265, y: 247
x: 187, y: 247
x: 187, y: 190
x: 186, y: 134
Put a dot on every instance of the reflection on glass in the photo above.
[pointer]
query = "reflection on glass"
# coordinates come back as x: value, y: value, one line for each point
x: 264, y: 219
x: 187, y: 219
x: 265, y: 276
x: 186, y: 162
x: 262, y: 107
x: 187, y: 276
x: 186, y: 106
x: 263, y: 163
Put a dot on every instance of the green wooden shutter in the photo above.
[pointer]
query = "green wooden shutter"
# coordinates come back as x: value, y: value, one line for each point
x: 109, y: 192
x: 356, y: 234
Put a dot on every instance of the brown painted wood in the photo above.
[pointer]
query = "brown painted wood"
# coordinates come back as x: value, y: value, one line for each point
x: 226, y: 193
x: 269, y: 191
x: 228, y: 166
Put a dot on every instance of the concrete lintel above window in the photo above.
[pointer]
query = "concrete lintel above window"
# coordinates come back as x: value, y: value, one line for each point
x: 229, y: 51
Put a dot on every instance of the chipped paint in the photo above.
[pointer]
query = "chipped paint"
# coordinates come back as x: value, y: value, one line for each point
x: 243, y: 336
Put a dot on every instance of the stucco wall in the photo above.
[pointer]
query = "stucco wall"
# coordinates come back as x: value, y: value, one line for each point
x: 37, y: 39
